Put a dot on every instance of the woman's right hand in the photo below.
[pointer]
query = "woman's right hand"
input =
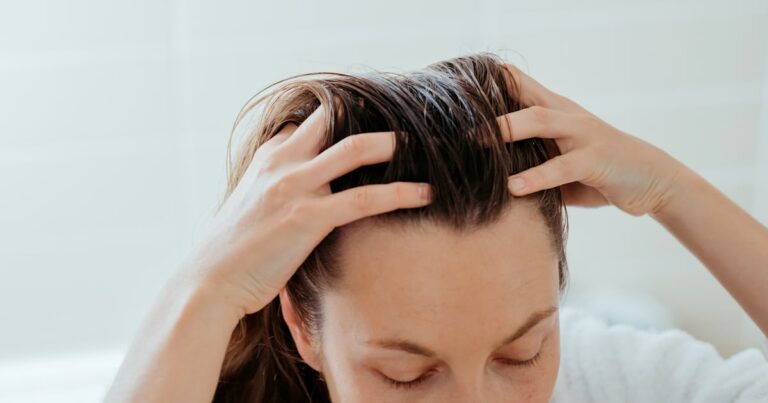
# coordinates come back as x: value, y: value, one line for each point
x: 283, y: 207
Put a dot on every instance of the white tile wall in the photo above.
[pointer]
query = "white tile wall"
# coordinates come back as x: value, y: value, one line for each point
x: 114, y: 120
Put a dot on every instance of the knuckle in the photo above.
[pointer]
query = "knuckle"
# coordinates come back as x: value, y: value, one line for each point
x: 279, y: 190
x: 270, y: 162
x: 401, y: 193
x: 541, y: 115
x: 361, y: 198
x: 276, y: 140
x: 301, y: 212
x: 303, y: 215
x: 563, y: 167
x: 287, y: 130
x: 352, y: 145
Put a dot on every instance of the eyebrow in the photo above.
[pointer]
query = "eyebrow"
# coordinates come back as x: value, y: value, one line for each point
x: 413, y: 348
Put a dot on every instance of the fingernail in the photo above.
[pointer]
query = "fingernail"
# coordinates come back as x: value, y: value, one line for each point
x: 425, y: 192
x: 516, y: 184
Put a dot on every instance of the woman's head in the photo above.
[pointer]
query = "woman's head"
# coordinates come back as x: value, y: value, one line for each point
x: 434, y: 294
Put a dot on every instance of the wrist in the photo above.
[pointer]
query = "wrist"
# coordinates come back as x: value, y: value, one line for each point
x: 216, y: 303
x: 684, y: 183
x: 203, y: 298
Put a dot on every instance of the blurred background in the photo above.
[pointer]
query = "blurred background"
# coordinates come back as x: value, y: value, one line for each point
x: 114, y: 119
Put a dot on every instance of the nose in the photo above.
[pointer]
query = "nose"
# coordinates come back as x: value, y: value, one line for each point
x: 474, y: 391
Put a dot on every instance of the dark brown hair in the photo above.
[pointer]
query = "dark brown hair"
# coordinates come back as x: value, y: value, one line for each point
x: 447, y: 135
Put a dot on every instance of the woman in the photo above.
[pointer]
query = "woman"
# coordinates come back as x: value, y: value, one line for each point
x: 374, y: 247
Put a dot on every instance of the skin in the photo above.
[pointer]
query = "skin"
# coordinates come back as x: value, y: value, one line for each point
x: 435, y: 304
x: 240, y: 267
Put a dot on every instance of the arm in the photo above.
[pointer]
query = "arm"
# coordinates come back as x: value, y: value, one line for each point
x: 730, y: 242
x: 179, y: 351
x: 280, y: 210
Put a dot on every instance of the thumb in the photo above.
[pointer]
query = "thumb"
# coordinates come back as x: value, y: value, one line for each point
x: 557, y: 171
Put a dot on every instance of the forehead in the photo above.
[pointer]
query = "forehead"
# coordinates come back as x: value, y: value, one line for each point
x: 428, y: 275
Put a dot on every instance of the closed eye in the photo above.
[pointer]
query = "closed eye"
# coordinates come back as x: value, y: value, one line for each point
x: 425, y: 376
x: 521, y: 363
x: 409, y: 384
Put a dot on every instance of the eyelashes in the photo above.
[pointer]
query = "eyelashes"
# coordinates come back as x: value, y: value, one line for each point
x: 409, y: 384
x: 425, y: 376
x: 525, y: 363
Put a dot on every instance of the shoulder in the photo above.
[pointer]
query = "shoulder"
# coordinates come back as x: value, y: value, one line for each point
x: 602, y: 362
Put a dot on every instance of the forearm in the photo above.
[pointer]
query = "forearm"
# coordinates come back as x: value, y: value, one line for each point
x: 724, y: 237
x: 179, y: 350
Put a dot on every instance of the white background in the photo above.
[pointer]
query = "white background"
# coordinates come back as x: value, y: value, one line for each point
x: 114, y: 118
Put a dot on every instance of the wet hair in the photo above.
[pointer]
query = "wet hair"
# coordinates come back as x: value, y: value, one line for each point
x: 447, y: 134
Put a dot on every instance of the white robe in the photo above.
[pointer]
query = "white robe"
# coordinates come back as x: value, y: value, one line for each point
x: 619, y: 363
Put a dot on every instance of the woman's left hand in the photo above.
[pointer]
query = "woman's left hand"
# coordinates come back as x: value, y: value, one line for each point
x: 599, y: 163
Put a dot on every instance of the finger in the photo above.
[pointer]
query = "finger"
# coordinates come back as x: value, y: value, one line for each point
x: 534, y: 93
x: 557, y: 171
x: 363, y: 201
x: 348, y: 154
x: 538, y: 121
x: 281, y: 136
x: 310, y: 133
x: 270, y: 146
